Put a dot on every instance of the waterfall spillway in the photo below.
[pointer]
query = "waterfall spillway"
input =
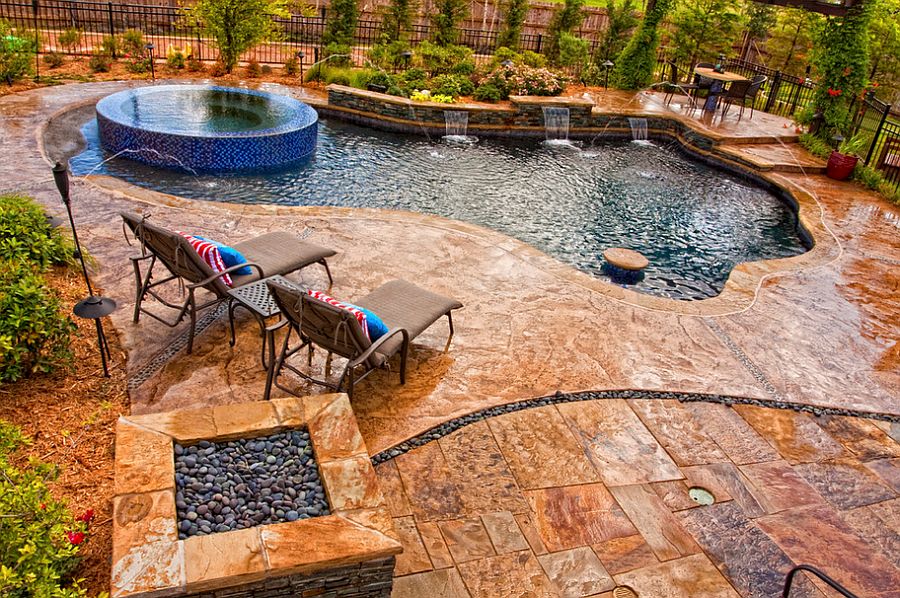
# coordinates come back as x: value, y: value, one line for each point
x: 556, y: 124
x: 456, y: 126
x: 638, y: 129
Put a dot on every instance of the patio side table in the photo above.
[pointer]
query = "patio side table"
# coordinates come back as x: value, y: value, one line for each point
x: 255, y: 298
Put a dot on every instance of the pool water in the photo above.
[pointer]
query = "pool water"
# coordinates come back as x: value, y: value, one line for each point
x: 692, y: 222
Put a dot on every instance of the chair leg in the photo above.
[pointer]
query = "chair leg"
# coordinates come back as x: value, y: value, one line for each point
x: 231, y: 306
x: 450, y: 321
x: 328, y: 272
x: 403, y: 355
x: 193, y: 309
x: 271, y: 370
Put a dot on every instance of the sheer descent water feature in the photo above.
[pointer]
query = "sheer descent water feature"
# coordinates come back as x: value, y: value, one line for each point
x: 556, y: 125
x: 456, y: 127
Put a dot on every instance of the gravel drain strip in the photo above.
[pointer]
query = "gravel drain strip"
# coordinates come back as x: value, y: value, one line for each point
x: 162, y: 358
x: 453, y: 425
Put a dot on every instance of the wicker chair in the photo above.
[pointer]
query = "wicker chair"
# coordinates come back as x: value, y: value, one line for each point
x: 269, y: 254
x: 406, y: 310
x: 674, y: 85
x: 741, y: 92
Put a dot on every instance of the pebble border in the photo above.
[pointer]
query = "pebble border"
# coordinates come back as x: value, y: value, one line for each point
x: 455, y: 424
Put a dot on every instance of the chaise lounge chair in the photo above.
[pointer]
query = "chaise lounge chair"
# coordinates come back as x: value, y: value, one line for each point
x: 405, y: 309
x: 269, y: 254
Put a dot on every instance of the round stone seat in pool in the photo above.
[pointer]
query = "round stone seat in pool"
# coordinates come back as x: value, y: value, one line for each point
x: 204, y: 128
x: 625, y: 259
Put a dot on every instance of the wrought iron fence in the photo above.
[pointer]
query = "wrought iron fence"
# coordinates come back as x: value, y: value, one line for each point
x: 882, y: 132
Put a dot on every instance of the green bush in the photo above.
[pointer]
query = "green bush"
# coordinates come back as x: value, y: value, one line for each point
x: 34, y: 334
x: 466, y: 68
x: 338, y: 54
x: 383, y: 79
x: 132, y: 44
x: 337, y: 76
x: 69, y: 39
x: 524, y: 80
x: 635, y: 64
x: 341, y: 26
x: 110, y: 46
x: 574, y: 52
x: 533, y: 59
x: 360, y: 78
x: 236, y: 25
x: 54, y: 60
x: 397, y: 91
x: 291, y: 66
x: 253, y: 69
x: 412, y: 79
x: 100, y: 62
x: 39, y: 538
x: 448, y: 14
x: 138, y: 65
x: 451, y: 85
x: 193, y: 65
x: 438, y: 60
x: 25, y: 234
x: 16, y: 53
x: 176, y: 58
x: 390, y: 55
x: 488, y: 92
x: 266, y: 69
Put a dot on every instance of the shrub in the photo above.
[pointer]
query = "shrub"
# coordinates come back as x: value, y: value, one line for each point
x: 218, y: 69
x: 341, y: 26
x: 110, y: 46
x: 397, y: 91
x: 253, y: 69
x: 516, y: 11
x: 414, y: 78
x: 397, y: 19
x: 533, y: 59
x: 524, y: 80
x: 266, y: 69
x: 70, y: 39
x: 466, y: 68
x: 564, y: 21
x: 138, y: 65
x: 438, y: 60
x: 635, y: 64
x: 360, y: 78
x: 426, y: 96
x: 389, y: 56
x: 447, y: 17
x: 503, y: 54
x: 16, y: 54
x: 53, y: 60
x: 338, y: 54
x: 383, y: 79
x: 452, y: 85
x: 34, y: 334
x: 132, y: 43
x: 193, y: 65
x: 573, y: 51
x: 176, y: 57
x: 487, y: 92
x: 292, y: 66
x: 39, y: 537
x: 337, y: 76
x: 25, y: 234
x: 100, y: 62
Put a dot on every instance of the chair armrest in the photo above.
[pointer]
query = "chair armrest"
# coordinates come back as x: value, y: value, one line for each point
x: 277, y: 326
x: 206, y: 281
x: 374, y: 346
x: 137, y: 258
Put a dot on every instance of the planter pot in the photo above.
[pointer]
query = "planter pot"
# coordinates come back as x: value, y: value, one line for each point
x: 840, y: 166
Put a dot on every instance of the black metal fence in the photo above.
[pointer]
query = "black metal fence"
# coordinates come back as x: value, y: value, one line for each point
x: 882, y: 131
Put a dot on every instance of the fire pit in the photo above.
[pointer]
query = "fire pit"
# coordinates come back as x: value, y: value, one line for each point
x: 327, y: 523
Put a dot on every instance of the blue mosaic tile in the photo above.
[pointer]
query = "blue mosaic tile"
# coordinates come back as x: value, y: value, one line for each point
x: 139, y: 124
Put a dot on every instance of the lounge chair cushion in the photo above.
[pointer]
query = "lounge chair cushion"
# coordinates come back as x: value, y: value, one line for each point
x: 278, y: 253
x: 209, y: 251
x: 230, y: 255
x: 401, y: 304
x: 359, y: 314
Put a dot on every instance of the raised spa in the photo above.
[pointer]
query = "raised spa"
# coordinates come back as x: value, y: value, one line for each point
x: 207, y: 128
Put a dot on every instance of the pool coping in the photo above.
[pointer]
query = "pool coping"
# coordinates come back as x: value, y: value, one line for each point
x: 739, y: 293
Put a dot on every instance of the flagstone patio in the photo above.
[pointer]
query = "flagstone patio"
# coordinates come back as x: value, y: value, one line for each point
x: 573, y: 499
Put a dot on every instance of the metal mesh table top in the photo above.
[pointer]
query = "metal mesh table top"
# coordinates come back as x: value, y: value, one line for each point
x: 255, y: 295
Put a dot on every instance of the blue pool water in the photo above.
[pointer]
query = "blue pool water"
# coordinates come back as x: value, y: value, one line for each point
x: 693, y: 223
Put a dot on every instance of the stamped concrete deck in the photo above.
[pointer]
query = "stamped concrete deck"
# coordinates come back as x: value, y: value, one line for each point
x: 596, y: 489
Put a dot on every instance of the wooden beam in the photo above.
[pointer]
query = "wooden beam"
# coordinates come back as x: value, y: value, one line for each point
x: 825, y: 8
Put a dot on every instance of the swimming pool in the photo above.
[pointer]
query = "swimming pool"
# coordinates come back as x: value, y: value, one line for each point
x: 693, y: 222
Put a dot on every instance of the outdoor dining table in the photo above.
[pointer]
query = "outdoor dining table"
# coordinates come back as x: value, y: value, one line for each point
x: 719, y: 81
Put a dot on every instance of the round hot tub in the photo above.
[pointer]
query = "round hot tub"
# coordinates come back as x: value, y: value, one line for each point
x: 207, y: 128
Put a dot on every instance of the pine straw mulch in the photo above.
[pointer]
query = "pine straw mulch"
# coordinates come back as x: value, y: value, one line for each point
x: 70, y: 416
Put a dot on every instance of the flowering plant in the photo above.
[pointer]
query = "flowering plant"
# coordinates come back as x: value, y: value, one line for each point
x: 834, y: 92
x: 525, y: 80
x: 39, y: 538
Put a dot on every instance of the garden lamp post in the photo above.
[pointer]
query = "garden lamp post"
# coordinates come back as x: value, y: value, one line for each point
x: 149, y: 48
x: 300, y: 56
x: 607, y: 65
x: 406, y: 55
x: 506, y: 63
x: 93, y: 307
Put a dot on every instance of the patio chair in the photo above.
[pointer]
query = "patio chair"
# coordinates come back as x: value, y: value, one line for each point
x: 405, y: 309
x: 269, y: 254
x: 741, y: 91
x: 674, y: 85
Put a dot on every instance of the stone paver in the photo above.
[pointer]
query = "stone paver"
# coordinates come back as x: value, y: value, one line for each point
x: 689, y: 577
x: 576, y: 573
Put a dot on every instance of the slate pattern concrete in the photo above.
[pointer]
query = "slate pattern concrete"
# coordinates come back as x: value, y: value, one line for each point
x: 607, y: 477
x: 588, y: 537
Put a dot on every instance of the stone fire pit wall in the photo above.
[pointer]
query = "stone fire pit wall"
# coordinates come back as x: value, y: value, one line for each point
x: 349, y: 553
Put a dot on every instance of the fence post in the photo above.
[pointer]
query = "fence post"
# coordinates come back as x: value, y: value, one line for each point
x: 884, y: 114
x: 112, y: 29
x: 776, y: 86
x: 540, y: 42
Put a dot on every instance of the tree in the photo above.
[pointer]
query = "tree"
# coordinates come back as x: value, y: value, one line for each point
x: 704, y: 29
x: 884, y: 40
x: 446, y: 20
x: 566, y: 19
x: 397, y: 20
x: 620, y: 19
x: 841, y: 58
x: 791, y: 40
x: 760, y: 19
x: 516, y: 11
x: 634, y: 66
x: 340, y: 29
x: 237, y: 25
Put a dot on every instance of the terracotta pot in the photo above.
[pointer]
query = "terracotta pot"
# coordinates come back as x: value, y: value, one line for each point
x: 840, y: 166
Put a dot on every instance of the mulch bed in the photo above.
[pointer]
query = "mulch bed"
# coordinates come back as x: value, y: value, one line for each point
x: 70, y: 416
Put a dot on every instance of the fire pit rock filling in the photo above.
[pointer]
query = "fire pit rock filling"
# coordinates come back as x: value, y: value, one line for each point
x: 238, y: 484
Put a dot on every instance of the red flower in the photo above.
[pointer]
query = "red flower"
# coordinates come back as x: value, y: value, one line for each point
x: 874, y: 84
x: 834, y: 92
x: 75, y: 538
x: 42, y: 506
x: 87, y: 516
